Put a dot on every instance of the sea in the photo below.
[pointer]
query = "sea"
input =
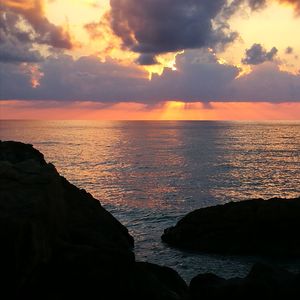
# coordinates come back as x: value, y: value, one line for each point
x: 149, y: 174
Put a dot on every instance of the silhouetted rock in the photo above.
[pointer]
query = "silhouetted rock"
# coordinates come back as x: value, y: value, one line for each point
x: 58, y: 242
x: 263, y: 282
x: 153, y: 282
x: 264, y: 227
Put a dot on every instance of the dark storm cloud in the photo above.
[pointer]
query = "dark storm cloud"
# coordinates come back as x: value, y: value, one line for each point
x: 257, y: 55
x: 17, y: 40
x: 160, y: 26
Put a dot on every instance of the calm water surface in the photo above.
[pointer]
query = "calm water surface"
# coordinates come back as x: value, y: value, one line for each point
x: 149, y: 174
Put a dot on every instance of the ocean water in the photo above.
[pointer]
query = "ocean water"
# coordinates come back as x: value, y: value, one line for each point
x: 150, y: 174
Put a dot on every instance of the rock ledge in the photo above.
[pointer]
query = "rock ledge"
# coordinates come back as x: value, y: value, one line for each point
x: 253, y: 227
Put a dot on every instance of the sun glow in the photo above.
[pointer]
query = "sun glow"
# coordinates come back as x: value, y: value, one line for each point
x: 173, y: 110
x: 244, y: 70
x: 167, y: 60
x: 170, y: 110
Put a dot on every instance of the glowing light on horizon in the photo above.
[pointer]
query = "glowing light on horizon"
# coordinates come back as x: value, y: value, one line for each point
x: 169, y: 110
x: 174, y: 110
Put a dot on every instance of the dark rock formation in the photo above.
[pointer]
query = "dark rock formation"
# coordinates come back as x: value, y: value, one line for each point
x: 58, y: 242
x: 263, y: 282
x: 150, y: 281
x: 264, y: 227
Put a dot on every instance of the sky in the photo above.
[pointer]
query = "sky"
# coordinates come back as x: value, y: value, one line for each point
x: 150, y: 59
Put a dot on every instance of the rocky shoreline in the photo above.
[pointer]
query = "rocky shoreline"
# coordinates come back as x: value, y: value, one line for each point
x: 254, y: 227
x: 58, y: 242
x: 263, y: 282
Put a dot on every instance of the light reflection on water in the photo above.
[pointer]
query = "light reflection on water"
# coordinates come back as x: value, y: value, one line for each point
x: 149, y: 174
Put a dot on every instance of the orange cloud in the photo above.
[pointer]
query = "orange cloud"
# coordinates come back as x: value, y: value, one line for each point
x: 109, y: 45
x: 21, y: 4
x: 34, y: 72
x: 32, y: 11
x: 169, y: 110
x: 294, y: 3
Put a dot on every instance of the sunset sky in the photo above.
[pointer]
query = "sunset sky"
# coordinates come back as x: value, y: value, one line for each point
x: 150, y: 59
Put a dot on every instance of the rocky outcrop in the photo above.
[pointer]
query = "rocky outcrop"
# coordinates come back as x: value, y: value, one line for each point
x: 263, y: 282
x: 264, y: 227
x: 58, y: 242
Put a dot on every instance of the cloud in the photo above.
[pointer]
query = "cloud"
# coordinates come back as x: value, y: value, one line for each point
x: 65, y: 78
x: 294, y: 3
x: 15, y: 52
x: 44, y: 31
x: 147, y: 59
x: 235, y: 5
x: 257, y: 55
x: 151, y: 28
x: 289, y: 50
x: 154, y: 27
x: 23, y: 25
x: 15, y: 45
x: 199, y: 78
x: 258, y: 4
x: 160, y: 26
x: 267, y: 82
